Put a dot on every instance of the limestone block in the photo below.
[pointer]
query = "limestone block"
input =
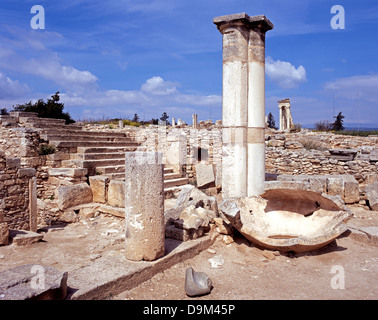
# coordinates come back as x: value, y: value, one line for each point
x: 23, y: 238
x: 99, y: 186
x: 372, y: 195
x: 373, y: 157
x: 205, y: 175
x: 116, y: 193
x: 4, y: 233
x: 351, y: 189
x: 33, y: 281
x: 335, y: 185
x: 144, y: 214
x: 13, y: 163
x: 73, y: 195
x: 68, y: 172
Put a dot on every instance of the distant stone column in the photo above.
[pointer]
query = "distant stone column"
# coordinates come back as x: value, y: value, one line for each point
x: 195, y: 120
x: 120, y: 124
x: 259, y: 25
x: 173, y: 122
x: 144, y: 205
x: 243, y: 106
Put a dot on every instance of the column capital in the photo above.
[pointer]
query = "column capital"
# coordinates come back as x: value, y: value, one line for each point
x: 259, y: 22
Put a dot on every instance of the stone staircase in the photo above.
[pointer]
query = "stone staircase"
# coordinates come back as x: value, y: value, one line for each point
x: 100, y: 152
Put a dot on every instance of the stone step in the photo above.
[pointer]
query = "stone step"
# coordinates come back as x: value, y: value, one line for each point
x: 91, y: 165
x: 121, y: 175
x: 76, y: 144
x: 175, y: 182
x: 41, y: 121
x: 99, y: 156
x: 171, y: 176
x: 57, y: 129
x: 74, y: 133
x: 107, y: 149
x: 79, y: 137
x: 106, y: 170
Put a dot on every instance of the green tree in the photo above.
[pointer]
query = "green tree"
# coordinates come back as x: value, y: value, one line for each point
x: 136, y: 118
x: 4, y: 112
x: 338, y: 124
x: 164, y: 117
x: 50, y: 109
x: 271, y: 122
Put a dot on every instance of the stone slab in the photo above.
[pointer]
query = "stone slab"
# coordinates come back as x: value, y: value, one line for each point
x: 111, y: 275
x: 23, y: 237
x: 33, y: 282
x: 205, y: 175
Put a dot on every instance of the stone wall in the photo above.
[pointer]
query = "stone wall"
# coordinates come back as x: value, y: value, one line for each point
x: 18, y: 197
x: 311, y: 154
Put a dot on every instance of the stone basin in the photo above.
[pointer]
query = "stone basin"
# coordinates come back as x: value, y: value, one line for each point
x: 288, y: 219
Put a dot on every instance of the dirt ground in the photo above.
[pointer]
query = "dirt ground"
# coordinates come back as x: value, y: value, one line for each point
x: 344, y: 269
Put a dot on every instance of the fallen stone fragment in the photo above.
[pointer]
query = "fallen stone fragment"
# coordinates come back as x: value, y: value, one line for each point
x: 23, y: 237
x: 216, y: 261
x: 372, y: 195
x: 197, y: 283
x: 33, y: 282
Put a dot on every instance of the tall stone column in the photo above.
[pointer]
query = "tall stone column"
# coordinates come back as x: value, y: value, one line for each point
x: 259, y: 25
x: 243, y: 106
x: 195, y: 120
x: 144, y: 206
x: 234, y: 29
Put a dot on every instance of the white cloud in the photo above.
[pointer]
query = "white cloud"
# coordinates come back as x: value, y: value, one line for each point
x: 284, y: 74
x: 11, y: 88
x: 157, y: 86
x: 360, y: 86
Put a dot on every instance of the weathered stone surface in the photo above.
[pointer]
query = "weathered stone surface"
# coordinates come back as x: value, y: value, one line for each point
x: 289, y: 220
x: 68, y: 172
x: 22, y: 237
x: 144, y: 215
x: 34, y: 282
x: 116, y: 193
x: 372, y: 195
x: 69, y: 216
x: 351, y: 189
x: 183, y: 235
x: 205, y: 175
x: 197, y: 283
x: 4, y: 233
x: 99, y: 186
x: 373, y: 157
x: 73, y: 195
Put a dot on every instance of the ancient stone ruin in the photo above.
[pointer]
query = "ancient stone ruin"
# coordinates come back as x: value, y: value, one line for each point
x: 146, y: 198
x: 286, y: 120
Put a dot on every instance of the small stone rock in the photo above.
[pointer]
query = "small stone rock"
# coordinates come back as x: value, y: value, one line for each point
x: 216, y: 262
x: 197, y: 283
x: 268, y: 254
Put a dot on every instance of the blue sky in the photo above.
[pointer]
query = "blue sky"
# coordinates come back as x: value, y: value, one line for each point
x: 116, y: 58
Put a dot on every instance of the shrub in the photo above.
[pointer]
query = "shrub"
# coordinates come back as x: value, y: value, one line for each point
x: 45, y: 149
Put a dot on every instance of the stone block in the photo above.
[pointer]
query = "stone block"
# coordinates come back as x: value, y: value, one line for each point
x: 4, y: 233
x: 205, y: 175
x: 99, y: 186
x: 68, y: 172
x: 73, y: 195
x: 372, y: 195
x: 335, y: 185
x: 34, y: 282
x: 26, y: 172
x: 22, y: 237
x: 373, y: 157
x: 351, y: 189
x: 116, y: 193
x: 13, y: 163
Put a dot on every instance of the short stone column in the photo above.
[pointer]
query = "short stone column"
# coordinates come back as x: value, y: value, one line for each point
x: 173, y: 122
x: 144, y: 206
x: 243, y: 106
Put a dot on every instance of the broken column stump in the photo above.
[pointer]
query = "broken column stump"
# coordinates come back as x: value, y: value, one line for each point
x: 144, y: 206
